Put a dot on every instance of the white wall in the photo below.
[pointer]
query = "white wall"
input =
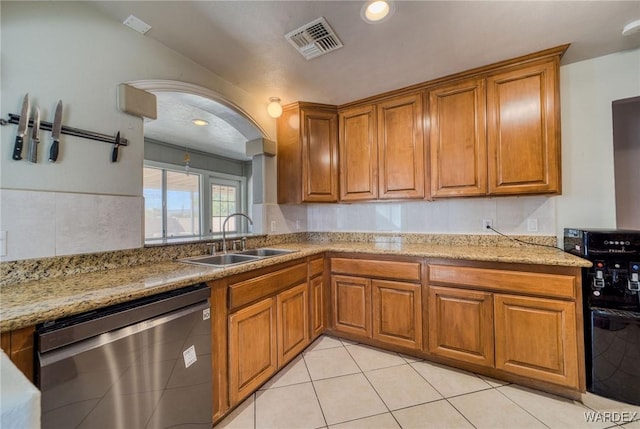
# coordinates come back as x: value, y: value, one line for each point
x: 68, y: 51
x: 587, y: 90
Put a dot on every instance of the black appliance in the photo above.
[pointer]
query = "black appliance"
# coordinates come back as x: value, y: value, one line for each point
x: 141, y: 364
x: 611, y: 299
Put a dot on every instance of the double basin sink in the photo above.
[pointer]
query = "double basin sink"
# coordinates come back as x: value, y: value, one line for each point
x: 243, y: 257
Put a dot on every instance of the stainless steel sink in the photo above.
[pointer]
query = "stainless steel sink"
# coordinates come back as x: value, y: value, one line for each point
x: 228, y: 259
x: 220, y: 260
x: 266, y: 252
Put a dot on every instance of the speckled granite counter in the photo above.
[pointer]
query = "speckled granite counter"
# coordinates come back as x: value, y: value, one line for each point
x: 28, y: 303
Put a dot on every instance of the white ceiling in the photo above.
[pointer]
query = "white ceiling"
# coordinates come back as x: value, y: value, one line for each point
x: 243, y: 41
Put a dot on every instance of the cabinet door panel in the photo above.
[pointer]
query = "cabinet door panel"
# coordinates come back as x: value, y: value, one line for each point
x: 317, y: 306
x: 319, y: 156
x: 252, y: 348
x: 397, y: 313
x: 458, y: 140
x: 401, y: 161
x: 523, y: 130
x: 461, y: 325
x: 293, y: 322
x: 358, y: 154
x: 536, y: 337
x: 351, y: 305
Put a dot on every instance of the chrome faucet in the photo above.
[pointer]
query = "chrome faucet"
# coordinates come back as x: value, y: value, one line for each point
x: 224, y: 229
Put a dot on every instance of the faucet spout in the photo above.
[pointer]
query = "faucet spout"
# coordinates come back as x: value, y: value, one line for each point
x: 224, y: 228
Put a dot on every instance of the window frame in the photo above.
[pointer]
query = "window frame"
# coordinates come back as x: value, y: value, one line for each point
x: 206, y: 179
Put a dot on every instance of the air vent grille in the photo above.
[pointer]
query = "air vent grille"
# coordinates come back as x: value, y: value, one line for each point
x: 314, y: 39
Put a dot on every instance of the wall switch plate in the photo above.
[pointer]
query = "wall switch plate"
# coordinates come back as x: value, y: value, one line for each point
x: 273, y: 226
x: 3, y: 243
x: 487, y: 223
x: 532, y: 225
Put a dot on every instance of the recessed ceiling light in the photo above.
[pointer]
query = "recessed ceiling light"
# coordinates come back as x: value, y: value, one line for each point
x: 200, y: 122
x: 632, y: 27
x: 376, y: 11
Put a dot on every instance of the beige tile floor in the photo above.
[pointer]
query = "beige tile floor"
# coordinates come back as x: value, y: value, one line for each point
x: 341, y: 384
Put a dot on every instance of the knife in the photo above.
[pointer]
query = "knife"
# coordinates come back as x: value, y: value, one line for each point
x: 114, y: 153
x: 55, y: 133
x: 35, y: 138
x: 23, y: 124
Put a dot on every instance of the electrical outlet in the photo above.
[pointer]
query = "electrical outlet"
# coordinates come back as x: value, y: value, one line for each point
x: 487, y: 223
x: 532, y: 225
x: 297, y: 223
x: 273, y: 226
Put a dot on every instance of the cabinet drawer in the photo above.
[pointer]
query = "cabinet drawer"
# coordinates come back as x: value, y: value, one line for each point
x: 384, y: 269
x: 316, y: 267
x: 259, y: 287
x: 553, y: 285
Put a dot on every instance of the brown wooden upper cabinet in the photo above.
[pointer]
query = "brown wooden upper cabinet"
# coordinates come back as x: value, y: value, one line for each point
x: 523, y: 129
x: 307, y: 153
x: 382, y: 150
x: 458, y: 139
x: 497, y: 132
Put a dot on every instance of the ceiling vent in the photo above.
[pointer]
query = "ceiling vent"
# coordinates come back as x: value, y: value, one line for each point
x: 314, y: 39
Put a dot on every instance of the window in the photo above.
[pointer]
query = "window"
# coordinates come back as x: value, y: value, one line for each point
x: 171, y: 203
x: 225, y: 199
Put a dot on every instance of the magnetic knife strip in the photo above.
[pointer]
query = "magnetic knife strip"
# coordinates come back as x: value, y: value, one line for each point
x: 47, y: 126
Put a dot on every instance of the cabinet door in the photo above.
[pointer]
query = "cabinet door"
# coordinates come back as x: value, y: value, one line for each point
x: 457, y: 139
x: 358, y: 154
x: 536, y: 338
x: 18, y: 345
x: 397, y: 313
x: 319, y: 156
x: 523, y: 130
x: 461, y: 325
x: 252, y: 348
x: 401, y: 160
x: 293, y: 322
x: 317, y: 306
x: 351, y: 305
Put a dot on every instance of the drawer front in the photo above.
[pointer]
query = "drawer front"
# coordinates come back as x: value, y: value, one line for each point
x: 553, y: 285
x: 256, y: 288
x: 409, y: 271
x: 316, y: 267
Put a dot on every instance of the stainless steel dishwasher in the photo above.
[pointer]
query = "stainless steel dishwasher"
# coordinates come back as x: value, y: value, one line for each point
x: 142, y: 364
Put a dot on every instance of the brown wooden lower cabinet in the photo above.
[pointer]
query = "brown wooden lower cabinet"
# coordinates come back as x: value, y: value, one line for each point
x: 253, y: 354
x: 397, y: 313
x: 293, y: 322
x: 351, y: 305
x: 461, y: 325
x: 18, y: 345
x: 537, y: 338
x: 317, y: 295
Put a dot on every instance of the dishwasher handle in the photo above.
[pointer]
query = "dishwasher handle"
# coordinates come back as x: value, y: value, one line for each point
x: 84, y: 326
x: 53, y: 356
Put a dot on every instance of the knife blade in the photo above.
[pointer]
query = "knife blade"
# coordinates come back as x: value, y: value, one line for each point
x: 23, y: 124
x: 114, y: 152
x: 35, y: 138
x: 55, y: 133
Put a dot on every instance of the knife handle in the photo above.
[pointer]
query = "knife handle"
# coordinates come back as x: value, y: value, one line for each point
x: 114, y: 154
x: 53, y: 151
x: 17, y: 148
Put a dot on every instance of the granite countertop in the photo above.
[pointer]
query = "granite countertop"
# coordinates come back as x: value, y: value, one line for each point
x: 29, y: 303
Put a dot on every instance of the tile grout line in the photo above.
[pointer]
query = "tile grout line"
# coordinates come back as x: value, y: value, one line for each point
x: 522, y: 408
x: 373, y: 387
x: 313, y: 386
